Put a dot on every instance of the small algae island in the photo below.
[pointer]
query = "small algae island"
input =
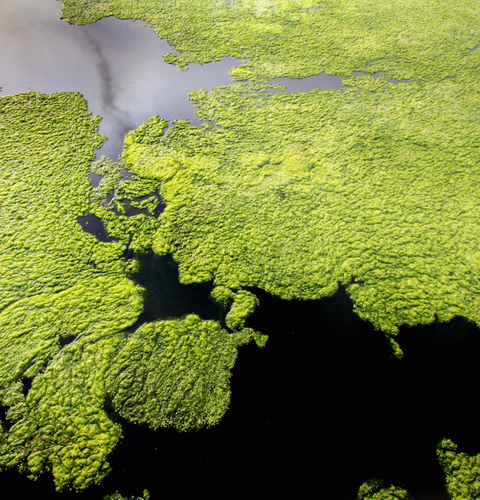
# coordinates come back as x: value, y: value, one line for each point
x: 374, y: 188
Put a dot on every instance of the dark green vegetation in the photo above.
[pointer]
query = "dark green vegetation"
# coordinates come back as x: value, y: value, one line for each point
x: 375, y: 490
x: 66, y: 301
x: 461, y: 470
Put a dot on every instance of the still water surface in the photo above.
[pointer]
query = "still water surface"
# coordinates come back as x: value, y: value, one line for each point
x: 117, y: 65
x: 322, y: 407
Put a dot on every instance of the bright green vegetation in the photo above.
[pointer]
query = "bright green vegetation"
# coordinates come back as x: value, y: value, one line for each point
x: 60, y: 284
x: 374, y: 490
x: 175, y: 373
x: 404, y: 38
x: 117, y: 496
x: 462, y: 471
x: 374, y: 186
x: 134, y: 232
x: 295, y: 193
x: 56, y: 282
x: 243, y: 304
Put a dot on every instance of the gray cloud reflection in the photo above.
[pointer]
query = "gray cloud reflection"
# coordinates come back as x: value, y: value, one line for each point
x: 116, y: 64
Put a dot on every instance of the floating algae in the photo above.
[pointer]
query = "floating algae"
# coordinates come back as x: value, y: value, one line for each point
x: 60, y: 284
x: 374, y: 187
x: 294, y: 193
x: 374, y: 490
x: 117, y: 496
x: 175, y: 373
x: 57, y: 282
x: 462, y: 471
x: 403, y: 38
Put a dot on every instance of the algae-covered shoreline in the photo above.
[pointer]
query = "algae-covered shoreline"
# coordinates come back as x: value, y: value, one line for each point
x: 374, y: 187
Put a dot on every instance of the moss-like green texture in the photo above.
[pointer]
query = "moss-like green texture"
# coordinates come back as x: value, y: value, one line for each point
x: 175, y: 373
x: 375, y: 187
x: 462, y: 471
x: 242, y: 305
x: 404, y: 38
x: 134, y: 232
x: 374, y: 490
x: 117, y: 496
x: 296, y: 192
x: 56, y: 282
x: 65, y: 303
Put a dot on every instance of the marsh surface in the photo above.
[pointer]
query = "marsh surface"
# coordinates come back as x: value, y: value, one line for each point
x: 318, y: 410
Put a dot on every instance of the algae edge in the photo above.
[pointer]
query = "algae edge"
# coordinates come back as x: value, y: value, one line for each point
x: 118, y: 496
x: 374, y: 489
x: 406, y: 39
x: 66, y: 302
x: 295, y: 193
x: 462, y: 472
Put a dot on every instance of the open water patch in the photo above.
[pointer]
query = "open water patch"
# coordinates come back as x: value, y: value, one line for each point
x: 322, y: 81
x: 320, y: 409
x: 379, y: 74
x: 165, y: 297
x: 93, y: 225
x: 116, y: 64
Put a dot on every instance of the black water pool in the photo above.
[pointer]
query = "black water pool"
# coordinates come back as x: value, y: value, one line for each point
x: 317, y: 411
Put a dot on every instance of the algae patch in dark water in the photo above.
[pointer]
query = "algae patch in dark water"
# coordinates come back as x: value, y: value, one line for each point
x: 321, y: 409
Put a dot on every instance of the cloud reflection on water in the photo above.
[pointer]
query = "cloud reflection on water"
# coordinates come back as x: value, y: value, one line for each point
x: 117, y: 65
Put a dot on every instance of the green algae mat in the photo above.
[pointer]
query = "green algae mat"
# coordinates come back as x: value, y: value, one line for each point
x: 60, y: 283
x: 374, y: 186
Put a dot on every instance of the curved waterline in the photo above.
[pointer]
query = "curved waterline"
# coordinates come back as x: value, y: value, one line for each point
x: 117, y: 65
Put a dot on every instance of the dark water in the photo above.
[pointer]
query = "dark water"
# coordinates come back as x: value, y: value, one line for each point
x: 94, y: 226
x: 322, y: 407
x: 316, y: 412
x: 165, y: 297
x: 321, y: 81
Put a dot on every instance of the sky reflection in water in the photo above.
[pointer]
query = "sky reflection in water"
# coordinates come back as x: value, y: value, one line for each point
x: 117, y: 65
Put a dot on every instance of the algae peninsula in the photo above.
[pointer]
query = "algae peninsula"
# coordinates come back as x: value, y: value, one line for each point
x: 373, y: 187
